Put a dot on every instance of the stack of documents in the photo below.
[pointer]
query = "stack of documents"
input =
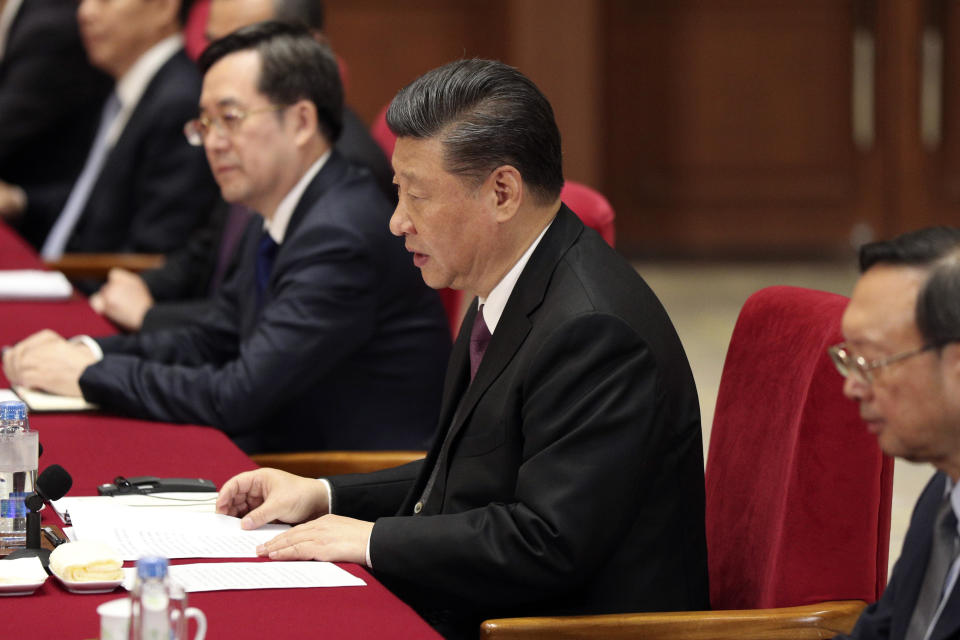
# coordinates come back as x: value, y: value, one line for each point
x: 194, y: 531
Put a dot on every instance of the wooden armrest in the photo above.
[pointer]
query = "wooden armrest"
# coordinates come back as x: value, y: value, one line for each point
x: 97, y: 265
x: 315, y: 464
x: 822, y: 620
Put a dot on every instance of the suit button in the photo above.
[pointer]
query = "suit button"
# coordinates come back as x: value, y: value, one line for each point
x: 417, y: 508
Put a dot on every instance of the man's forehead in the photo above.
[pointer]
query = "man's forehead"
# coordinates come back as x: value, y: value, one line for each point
x: 231, y: 80
x: 883, y: 302
x: 417, y: 159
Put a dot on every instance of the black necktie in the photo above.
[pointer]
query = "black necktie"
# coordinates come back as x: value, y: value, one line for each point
x: 266, y: 254
x: 943, y: 552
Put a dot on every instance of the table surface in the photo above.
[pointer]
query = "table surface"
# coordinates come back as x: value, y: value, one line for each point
x: 95, y: 448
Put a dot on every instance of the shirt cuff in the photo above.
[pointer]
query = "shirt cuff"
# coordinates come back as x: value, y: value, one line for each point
x: 326, y: 484
x: 91, y: 344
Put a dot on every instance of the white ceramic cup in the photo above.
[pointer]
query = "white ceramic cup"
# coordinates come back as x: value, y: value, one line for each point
x: 115, y: 620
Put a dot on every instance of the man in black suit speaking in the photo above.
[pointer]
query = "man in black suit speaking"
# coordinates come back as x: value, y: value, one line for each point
x: 567, y: 473
x: 325, y: 337
x: 901, y: 362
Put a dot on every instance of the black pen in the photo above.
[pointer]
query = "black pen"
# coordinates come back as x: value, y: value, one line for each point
x: 54, y: 539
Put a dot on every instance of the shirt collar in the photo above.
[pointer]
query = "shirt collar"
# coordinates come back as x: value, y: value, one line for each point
x: 277, y: 225
x: 494, y: 303
x: 6, y: 21
x: 954, y: 491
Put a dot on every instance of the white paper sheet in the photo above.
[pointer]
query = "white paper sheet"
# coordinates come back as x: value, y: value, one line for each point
x: 222, y: 576
x: 42, y: 402
x: 172, y: 533
x: 34, y: 284
x: 196, y: 502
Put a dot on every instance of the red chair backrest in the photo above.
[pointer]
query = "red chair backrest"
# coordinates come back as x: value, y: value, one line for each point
x: 798, y: 492
x: 381, y: 132
x: 594, y: 210
x: 195, y: 31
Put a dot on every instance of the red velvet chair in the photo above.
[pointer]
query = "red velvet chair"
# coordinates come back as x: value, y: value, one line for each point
x: 195, y: 30
x: 798, y: 492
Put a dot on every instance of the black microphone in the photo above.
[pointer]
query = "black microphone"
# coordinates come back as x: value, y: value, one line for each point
x: 52, y: 484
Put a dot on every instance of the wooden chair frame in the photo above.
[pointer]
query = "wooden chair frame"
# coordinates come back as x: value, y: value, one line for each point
x: 78, y: 266
x: 316, y: 464
x: 807, y: 622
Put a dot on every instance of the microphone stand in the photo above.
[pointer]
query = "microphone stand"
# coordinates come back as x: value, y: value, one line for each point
x: 33, y: 549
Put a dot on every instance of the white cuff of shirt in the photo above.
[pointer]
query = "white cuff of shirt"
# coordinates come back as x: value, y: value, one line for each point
x: 326, y: 483
x: 91, y: 344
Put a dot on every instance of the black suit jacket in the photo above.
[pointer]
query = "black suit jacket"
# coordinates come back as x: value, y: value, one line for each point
x: 181, y: 288
x: 154, y: 188
x: 50, y: 97
x: 574, y: 483
x: 347, y: 351
x: 889, y: 617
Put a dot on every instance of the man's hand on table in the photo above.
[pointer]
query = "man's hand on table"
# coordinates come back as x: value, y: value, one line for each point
x: 266, y: 495
x: 47, y: 361
x: 125, y: 299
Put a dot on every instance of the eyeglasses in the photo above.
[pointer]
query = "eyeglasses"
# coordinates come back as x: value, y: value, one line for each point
x: 861, y: 368
x: 227, y: 123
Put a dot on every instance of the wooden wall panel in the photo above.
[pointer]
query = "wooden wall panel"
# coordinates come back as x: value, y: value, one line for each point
x: 728, y: 127
x: 388, y: 44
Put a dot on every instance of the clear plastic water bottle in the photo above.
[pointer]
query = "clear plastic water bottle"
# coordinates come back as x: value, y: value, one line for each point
x: 150, y: 601
x: 18, y: 472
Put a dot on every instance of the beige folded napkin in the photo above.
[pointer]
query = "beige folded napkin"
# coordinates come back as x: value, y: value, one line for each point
x: 22, y: 571
x: 86, y: 561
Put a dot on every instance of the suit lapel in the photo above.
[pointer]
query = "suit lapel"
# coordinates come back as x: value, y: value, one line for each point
x: 511, y: 331
x: 948, y: 626
x: 917, y: 549
x: 331, y: 173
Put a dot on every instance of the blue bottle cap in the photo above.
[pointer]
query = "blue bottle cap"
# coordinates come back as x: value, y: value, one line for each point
x: 13, y: 410
x: 152, y: 567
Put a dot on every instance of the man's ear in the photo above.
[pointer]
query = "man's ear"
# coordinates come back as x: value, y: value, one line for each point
x: 950, y: 361
x: 506, y: 187
x: 305, y: 121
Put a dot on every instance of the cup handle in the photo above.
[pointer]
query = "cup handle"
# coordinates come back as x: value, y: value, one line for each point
x: 196, y: 614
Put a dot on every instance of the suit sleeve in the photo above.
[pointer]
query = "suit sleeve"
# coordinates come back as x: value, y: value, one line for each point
x: 588, y: 414
x: 323, y: 308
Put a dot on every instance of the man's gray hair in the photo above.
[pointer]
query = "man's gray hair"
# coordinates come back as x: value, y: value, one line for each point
x: 486, y: 114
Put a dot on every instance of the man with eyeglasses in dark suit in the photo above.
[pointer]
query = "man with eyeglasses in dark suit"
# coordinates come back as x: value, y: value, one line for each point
x: 901, y: 363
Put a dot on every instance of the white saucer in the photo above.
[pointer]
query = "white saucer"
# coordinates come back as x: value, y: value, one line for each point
x: 88, y: 587
x: 23, y: 589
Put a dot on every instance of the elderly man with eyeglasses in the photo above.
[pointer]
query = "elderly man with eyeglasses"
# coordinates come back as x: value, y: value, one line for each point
x: 325, y: 337
x: 901, y: 363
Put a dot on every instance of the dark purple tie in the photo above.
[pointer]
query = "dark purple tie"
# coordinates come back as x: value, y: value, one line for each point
x: 479, y: 339
x: 266, y: 254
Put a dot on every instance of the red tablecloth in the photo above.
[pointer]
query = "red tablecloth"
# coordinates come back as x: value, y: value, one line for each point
x: 95, y: 448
